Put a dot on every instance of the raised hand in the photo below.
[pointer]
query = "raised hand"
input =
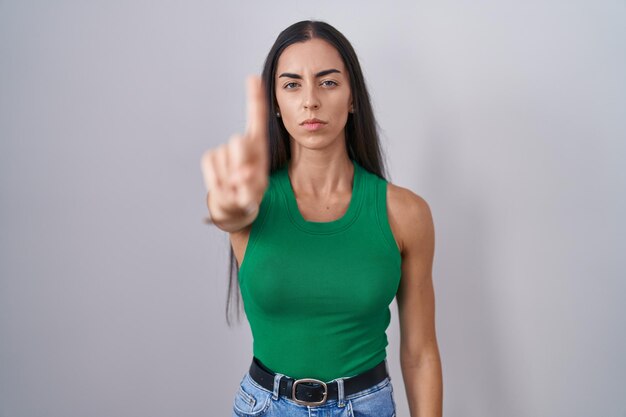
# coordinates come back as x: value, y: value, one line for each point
x: 236, y: 173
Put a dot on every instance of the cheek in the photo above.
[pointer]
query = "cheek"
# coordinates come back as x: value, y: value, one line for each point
x: 340, y: 107
x: 284, y: 104
x: 288, y: 111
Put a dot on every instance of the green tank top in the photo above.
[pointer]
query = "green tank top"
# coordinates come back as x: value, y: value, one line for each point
x: 317, y: 294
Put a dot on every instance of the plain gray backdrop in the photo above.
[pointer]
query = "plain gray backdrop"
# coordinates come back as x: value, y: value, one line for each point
x: 508, y: 117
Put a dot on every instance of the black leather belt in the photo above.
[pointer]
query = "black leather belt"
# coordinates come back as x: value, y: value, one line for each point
x: 309, y: 391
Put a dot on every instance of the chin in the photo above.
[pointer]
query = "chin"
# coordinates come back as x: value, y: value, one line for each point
x: 313, y: 141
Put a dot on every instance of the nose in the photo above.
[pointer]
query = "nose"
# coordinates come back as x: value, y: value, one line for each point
x: 311, y: 100
x: 311, y: 105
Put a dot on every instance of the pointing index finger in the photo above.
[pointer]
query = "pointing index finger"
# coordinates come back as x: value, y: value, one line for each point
x: 257, y: 108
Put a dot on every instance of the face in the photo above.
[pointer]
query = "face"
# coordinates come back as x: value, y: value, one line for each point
x: 312, y: 83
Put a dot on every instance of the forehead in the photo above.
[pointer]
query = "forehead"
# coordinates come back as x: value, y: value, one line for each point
x: 309, y: 57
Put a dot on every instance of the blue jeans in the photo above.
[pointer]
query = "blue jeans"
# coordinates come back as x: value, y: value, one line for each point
x: 252, y: 400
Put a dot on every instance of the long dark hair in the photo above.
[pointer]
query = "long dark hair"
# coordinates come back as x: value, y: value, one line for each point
x: 361, y: 129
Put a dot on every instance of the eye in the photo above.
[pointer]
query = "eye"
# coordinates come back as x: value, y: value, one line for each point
x: 329, y: 83
x: 290, y: 86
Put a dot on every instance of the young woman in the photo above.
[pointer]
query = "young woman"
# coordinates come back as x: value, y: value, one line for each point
x: 323, y: 242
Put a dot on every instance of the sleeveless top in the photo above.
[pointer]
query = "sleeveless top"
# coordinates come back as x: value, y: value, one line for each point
x: 317, y: 294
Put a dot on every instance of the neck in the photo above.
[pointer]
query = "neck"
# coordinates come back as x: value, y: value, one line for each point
x: 320, y: 172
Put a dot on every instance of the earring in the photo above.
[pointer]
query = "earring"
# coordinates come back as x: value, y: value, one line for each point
x: 277, y: 114
x: 351, y: 109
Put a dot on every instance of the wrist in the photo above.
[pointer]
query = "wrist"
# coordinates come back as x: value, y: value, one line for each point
x: 220, y: 216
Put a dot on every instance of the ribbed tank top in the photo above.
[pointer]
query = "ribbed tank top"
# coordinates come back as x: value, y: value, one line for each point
x: 317, y: 294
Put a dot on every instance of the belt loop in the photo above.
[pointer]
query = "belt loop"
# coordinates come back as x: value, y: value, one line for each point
x: 340, y: 393
x: 277, y: 379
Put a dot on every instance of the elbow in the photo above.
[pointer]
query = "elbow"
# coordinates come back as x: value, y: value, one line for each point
x: 416, y: 358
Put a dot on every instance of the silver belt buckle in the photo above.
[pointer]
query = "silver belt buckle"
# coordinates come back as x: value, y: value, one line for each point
x: 310, y: 403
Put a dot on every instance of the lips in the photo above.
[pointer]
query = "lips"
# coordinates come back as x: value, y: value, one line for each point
x: 312, y: 122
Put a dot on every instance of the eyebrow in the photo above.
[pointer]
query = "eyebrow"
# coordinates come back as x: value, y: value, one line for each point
x: 319, y: 74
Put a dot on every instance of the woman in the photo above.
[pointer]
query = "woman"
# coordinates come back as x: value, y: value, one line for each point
x: 323, y: 242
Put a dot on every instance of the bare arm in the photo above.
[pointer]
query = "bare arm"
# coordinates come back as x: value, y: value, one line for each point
x: 419, y: 353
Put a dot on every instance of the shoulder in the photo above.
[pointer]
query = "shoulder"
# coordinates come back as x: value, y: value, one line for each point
x: 409, y: 216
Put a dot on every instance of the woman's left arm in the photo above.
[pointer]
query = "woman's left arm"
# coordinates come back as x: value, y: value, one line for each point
x: 411, y: 221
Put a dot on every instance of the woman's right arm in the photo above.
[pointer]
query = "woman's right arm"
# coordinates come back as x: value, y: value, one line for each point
x: 236, y: 174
